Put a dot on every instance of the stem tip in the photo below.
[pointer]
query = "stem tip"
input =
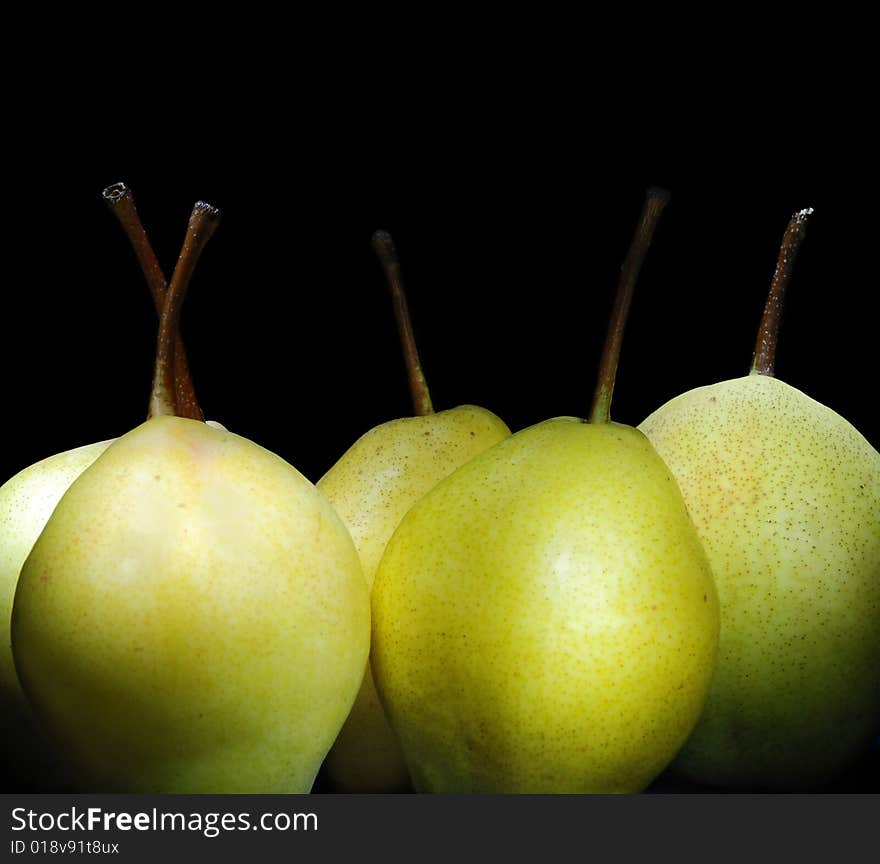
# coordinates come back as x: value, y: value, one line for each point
x: 207, y: 209
x: 384, y: 246
x: 114, y: 192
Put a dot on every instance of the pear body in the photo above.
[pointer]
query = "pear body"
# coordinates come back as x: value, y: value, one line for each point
x: 785, y: 495
x: 372, y: 487
x: 193, y: 618
x: 544, y: 619
x: 26, y: 503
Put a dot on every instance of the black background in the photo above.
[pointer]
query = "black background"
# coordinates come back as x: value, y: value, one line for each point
x: 510, y: 256
x: 511, y: 230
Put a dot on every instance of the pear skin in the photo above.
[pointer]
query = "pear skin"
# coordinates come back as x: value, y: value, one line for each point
x: 193, y: 618
x: 372, y: 487
x: 26, y: 503
x: 785, y: 495
x: 545, y: 619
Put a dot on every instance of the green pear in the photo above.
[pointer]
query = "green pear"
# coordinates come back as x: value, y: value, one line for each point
x: 545, y: 619
x: 785, y: 495
x: 193, y: 617
x: 371, y: 487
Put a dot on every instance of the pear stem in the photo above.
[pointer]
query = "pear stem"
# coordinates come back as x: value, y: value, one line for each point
x: 421, y: 397
x: 120, y: 200
x: 655, y: 200
x: 202, y: 223
x: 764, y: 358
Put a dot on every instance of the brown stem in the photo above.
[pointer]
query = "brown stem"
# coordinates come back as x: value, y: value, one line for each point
x: 655, y: 201
x: 120, y: 200
x: 384, y: 247
x: 202, y: 222
x: 764, y: 358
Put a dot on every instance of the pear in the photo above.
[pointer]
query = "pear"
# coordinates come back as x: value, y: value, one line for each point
x: 545, y: 619
x: 371, y: 487
x: 28, y: 499
x: 194, y: 617
x: 785, y: 495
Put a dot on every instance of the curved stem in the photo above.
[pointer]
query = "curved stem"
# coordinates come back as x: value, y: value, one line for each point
x: 384, y: 247
x: 202, y: 222
x: 655, y: 201
x: 764, y: 358
x: 120, y: 200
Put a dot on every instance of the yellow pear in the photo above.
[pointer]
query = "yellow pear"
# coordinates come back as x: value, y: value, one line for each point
x: 785, y: 495
x: 194, y: 616
x: 371, y: 487
x: 544, y: 619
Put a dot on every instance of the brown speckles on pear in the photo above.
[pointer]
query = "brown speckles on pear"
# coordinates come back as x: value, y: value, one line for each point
x: 784, y: 493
